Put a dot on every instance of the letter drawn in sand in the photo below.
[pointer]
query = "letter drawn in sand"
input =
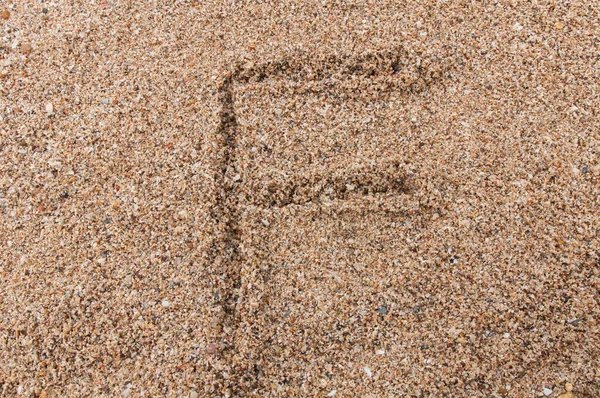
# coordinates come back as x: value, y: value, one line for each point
x: 301, y: 178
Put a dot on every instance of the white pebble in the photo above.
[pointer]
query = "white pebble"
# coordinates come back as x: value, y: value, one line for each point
x: 380, y: 352
x: 193, y: 394
x: 547, y: 391
x: 332, y: 393
x: 49, y: 108
x: 368, y: 372
x: 166, y: 303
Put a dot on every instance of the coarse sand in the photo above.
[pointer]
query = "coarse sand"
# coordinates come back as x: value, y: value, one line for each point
x: 299, y: 199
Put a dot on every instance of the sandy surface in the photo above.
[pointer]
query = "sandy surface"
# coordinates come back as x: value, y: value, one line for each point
x: 352, y: 199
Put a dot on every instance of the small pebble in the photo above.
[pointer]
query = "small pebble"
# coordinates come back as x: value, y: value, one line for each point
x: 211, y: 348
x: 5, y: 14
x: 166, y: 303
x: 332, y: 393
x: 547, y: 391
x: 567, y: 395
x: 380, y: 352
x: 193, y: 394
x: 26, y: 48
x: 368, y: 371
x: 49, y: 108
x: 569, y: 387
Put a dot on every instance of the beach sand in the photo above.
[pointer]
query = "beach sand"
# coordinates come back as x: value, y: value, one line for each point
x: 324, y: 199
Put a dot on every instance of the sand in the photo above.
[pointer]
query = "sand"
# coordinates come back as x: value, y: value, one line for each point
x: 328, y: 199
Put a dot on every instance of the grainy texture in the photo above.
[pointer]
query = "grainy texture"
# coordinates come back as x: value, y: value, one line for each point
x: 349, y: 199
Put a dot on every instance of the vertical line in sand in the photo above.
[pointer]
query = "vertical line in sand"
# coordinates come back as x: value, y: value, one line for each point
x: 225, y: 257
x: 230, y: 216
